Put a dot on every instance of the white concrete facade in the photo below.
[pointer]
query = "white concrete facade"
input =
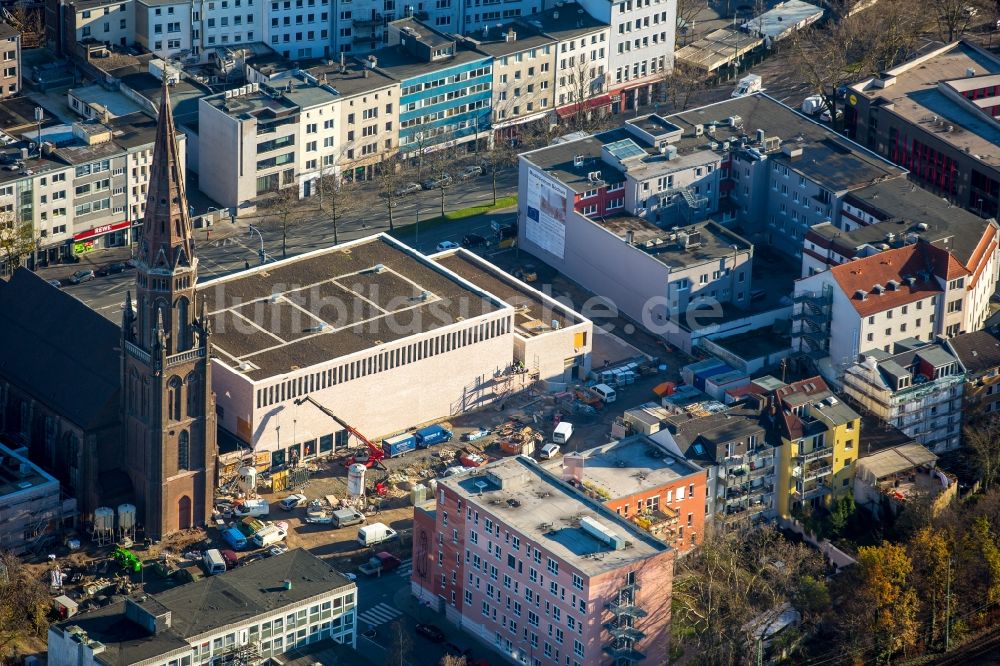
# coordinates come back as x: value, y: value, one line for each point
x: 299, y: 28
x: 164, y: 28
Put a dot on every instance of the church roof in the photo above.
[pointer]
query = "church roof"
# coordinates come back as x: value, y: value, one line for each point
x: 60, y: 351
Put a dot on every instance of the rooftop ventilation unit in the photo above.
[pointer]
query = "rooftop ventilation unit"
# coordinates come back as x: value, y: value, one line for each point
x: 594, y: 176
x: 578, y: 160
x: 601, y: 533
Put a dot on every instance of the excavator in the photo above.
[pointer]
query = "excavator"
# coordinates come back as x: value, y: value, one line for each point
x: 370, y: 457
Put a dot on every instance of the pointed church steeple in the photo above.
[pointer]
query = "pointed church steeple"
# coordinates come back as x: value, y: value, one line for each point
x: 167, y: 239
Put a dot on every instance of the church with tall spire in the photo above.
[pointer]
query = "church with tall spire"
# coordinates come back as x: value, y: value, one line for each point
x: 168, y: 408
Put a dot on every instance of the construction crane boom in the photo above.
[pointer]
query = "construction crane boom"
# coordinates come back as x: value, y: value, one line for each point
x: 375, y: 453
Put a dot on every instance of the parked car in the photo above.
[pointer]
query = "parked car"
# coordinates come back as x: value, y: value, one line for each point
x: 473, y: 171
x: 549, y: 451
x: 407, y: 188
x: 447, y: 245
x: 112, y: 269
x: 474, y: 240
x: 430, y: 632
x: 276, y: 550
x: 55, y: 283
x: 85, y: 275
x: 293, y: 501
x: 826, y: 117
x: 434, y: 183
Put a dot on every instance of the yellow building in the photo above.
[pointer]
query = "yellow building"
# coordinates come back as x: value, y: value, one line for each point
x: 821, y: 436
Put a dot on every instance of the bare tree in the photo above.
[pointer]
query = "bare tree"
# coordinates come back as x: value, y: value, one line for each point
x: 452, y: 660
x: 17, y: 241
x: 687, y: 14
x: 282, y: 206
x: 400, y: 645
x: 955, y: 17
x: 390, y: 176
x: 339, y: 197
x: 584, y: 85
x: 437, y: 165
x: 499, y: 157
x: 24, y: 605
x: 983, y: 441
x: 677, y: 86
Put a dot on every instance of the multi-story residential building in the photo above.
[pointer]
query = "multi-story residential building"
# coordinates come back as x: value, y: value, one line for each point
x: 31, y: 506
x: 642, y: 481
x: 390, y: 317
x: 165, y: 27
x: 523, y: 69
x: 446, y: 88
x: 78, y: 23
x: 979, y: 354
x: 934, y: 115
x: 225, y: 618
x: 368, y: 126
x: 10, y: 54
x: 896, y: 212
x: 914, y: 291
x: 477, y: 16
x: 641, y: 49
x: 820, y: 438
x: 298, y: 29
x: 741, y: 458
x: 220, y: 23
x: 61, y: 406
x: 548, y: 575
x: 917, y: 389
x: 79, y: 191
x: 261, y: 138
x: 361, y: 27
x: 580, y: 70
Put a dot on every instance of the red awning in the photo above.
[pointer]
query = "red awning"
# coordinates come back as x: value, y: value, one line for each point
x: 101, y: 230
x: 593, y: 103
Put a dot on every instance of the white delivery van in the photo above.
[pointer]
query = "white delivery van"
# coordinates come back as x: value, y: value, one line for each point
x: 563, y: 432
x: 606, y: 392
x: 214, y: 564
x: 254, y: 508
x: 750, y: 83
x: 812, y: 105
x: 376, y: 533
x: 269, y: 536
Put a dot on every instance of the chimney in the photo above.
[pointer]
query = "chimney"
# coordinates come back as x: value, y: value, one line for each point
x: 366, y: 72
x: 629, y: 236
x: 511, y: 35
x: 343, y: 64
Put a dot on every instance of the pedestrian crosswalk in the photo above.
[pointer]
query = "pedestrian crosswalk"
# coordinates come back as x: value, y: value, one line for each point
x: 405, y: 568
x: 380, y: 614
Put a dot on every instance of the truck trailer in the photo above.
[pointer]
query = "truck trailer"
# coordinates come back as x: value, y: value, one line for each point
x: 398, y: 445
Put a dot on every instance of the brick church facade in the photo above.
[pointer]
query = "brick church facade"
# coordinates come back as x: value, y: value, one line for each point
x: 168, y: 408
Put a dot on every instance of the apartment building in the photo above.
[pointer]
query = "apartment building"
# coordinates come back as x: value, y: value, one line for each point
x: 580, y: 70
x: 298, y: 29
x: 740, y: 456
x: 164, y: 27
x: 375, y: 318
x: 523, y: 70
x: 261, y: 138
x: 368, y: 126
x: 641, y: 49
x: 223, y: 618
x: 979, y: 354
x: 641, y: 481
x: 31, y: 506
x: 446, y: 89
x: 10, y: 68
x: 546, y: 574
x: 934, y: 115
x: 820, y: 437
x: 918, y: 388
x: 915, y: 291
x: 90, y: 22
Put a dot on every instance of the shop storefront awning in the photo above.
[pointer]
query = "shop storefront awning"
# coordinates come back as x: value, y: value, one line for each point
x: 593, y: 103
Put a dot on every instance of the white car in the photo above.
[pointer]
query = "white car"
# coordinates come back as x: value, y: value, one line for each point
x: 549, y: 451
x: 826, y: 116
x: 293, y: 501
x: 447, y: 245
x: 457, y: 470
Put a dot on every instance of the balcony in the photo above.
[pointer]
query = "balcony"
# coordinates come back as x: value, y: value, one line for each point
x: 816, y: 454
x: 815, y: 472
x: 765, y: 470
x: 624, y: 633
x: 811, y: 493
x: 629, y: 609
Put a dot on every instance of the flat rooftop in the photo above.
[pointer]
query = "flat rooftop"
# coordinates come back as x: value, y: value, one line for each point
x: 395, y: 62
x: 633, y: 465
x: 286, y: 97
x: 533, y: 314
x: 331, y: 303
x: 547, y: 511
x: 916, y: 97
x: 209, y: 603
x: 97, y: 96
x: 668, y: 247
x: 522, y: 37
x: 18, y: 474
x: 565, y: 22
x: 354, y: 78
x: 717, y: 48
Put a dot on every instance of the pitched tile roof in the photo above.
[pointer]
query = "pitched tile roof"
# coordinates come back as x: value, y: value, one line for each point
x: 978, y: 351
x: 896, y: 266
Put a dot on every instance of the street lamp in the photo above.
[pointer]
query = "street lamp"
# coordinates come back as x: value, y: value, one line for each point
x: 261, y: 254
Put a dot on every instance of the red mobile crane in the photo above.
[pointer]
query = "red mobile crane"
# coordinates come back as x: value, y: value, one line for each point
x: 369, y: 457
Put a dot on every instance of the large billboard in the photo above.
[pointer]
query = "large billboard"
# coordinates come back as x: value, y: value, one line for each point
x: 545, y: 225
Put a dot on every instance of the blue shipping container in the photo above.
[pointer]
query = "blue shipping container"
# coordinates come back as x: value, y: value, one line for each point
x: 235, y: 538
x: 432, y: 435
x: 398, y: 445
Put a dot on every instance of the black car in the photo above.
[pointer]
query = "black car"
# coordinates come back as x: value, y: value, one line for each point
x: 474, y: 240
x: 430, y: 632
x: 118, y: 267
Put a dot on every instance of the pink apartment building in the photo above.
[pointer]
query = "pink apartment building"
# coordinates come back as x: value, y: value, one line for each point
x: 525, y: 561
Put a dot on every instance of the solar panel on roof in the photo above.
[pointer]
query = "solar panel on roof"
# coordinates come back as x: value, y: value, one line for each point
x: 624, y: 149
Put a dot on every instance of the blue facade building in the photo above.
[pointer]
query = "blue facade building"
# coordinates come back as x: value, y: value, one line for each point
x: 446, y: 90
